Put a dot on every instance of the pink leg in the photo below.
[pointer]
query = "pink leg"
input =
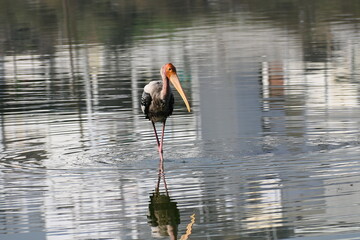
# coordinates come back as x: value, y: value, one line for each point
x: 160, y: 149
x: 157, y: 138
x: 161, y: 167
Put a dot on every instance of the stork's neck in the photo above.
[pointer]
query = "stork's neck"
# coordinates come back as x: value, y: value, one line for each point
x: 165, y: 88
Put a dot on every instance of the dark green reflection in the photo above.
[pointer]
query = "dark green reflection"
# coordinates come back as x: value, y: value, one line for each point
x: 36, y: 26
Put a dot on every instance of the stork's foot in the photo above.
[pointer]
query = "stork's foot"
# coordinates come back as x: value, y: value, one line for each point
x: 161, y: 166
x: 161, y: 173
x: 160, y: 151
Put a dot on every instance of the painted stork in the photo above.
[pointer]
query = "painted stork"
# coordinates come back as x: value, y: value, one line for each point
x: 157, y: 102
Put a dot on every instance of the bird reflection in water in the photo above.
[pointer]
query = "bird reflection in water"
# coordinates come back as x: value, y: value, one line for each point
x: 164, y: 216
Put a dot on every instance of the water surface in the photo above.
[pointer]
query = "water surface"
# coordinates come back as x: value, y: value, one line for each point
x: 270, y: 150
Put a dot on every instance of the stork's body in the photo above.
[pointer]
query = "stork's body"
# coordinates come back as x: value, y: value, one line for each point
x: 157, y: 102
x: 155, y: 105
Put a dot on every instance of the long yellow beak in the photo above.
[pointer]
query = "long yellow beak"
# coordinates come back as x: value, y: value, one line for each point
x: 174, y: 79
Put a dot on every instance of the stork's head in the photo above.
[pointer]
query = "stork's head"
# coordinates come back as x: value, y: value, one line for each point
x: 169, y: 71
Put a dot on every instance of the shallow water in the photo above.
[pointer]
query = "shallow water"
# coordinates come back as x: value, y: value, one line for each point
x: 269, y: 151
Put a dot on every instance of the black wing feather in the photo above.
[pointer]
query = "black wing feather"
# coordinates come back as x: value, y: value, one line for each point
x: 145, y: 103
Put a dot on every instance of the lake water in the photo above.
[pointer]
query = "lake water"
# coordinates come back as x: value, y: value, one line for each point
x: 269, y: 151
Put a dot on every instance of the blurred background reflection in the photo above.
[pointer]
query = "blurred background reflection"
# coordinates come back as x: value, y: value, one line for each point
x: 269, y: 151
